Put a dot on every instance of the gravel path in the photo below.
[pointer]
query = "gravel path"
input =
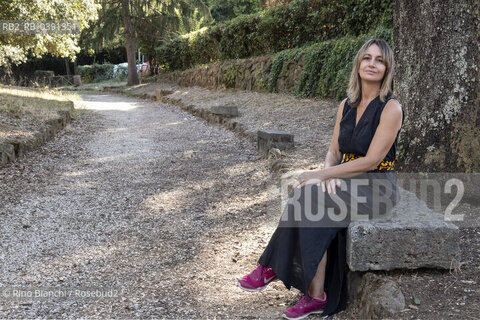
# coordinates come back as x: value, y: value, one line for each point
x: 140, y: 197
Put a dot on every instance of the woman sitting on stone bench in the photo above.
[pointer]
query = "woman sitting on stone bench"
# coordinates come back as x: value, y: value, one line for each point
x: 314, y: 222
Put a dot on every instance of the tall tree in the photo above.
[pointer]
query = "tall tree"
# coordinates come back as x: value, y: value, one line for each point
x: 144, y: 24
x: 14, y: 48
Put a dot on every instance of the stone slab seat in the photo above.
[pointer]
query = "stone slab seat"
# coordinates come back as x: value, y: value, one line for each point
x: 413, y: 237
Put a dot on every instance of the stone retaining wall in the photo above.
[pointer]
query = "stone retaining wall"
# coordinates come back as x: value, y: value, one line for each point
x: 15, y: 149
x: 244, y: 74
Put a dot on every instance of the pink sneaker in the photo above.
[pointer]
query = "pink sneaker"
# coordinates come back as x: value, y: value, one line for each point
x: 306, y: 306
x: 258, y: 279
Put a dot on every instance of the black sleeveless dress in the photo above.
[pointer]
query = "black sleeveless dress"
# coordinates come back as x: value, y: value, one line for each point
x: 296, y: 247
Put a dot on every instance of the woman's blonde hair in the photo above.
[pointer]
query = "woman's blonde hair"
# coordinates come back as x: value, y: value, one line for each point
x: 354, y: 91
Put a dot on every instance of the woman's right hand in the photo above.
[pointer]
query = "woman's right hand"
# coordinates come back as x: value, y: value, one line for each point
x: 330, y: 185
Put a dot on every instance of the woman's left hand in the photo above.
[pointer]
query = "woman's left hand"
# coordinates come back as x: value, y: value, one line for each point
x: 309, y: 177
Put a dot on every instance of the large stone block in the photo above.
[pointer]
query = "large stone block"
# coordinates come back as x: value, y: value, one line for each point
x: 7, y: 153
x: 267, y: 139
x: 437, y: 80
x: 375, y: 296
x: 412, y: 237
x: 77, y: 81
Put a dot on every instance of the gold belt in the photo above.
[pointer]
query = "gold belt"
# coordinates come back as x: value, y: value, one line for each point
x: 384, y: 165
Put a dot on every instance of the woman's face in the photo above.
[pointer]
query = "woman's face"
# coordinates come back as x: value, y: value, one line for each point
x: 372, y: 67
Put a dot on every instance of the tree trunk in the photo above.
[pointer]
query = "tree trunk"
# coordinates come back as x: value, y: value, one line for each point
x: 438, y: 84
x: 75, y: 67
x: 67, y: 67
x: 129, y: 44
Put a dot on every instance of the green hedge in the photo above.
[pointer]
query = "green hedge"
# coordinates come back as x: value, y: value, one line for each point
x: 96, y: 72
x: 299, y: 23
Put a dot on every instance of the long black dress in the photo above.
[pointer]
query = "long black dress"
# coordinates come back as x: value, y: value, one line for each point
x: 296, y: 248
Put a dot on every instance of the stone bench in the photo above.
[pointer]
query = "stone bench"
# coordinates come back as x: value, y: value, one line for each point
x: 225, y: 110
x: 268, y: 139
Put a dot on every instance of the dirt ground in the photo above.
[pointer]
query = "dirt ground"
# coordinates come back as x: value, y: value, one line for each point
x: 145, y: 198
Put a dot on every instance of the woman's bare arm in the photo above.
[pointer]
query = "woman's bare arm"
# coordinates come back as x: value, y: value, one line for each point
x: 334, y: 156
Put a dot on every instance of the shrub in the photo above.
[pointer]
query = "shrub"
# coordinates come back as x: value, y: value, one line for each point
x: 96, y: 72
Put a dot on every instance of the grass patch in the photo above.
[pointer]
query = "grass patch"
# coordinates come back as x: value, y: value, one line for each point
x: 41, y: 104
